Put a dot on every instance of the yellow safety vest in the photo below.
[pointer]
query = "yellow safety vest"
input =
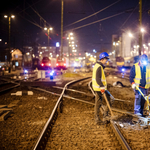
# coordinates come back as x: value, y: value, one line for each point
x: 96, y: 86
x: 138, y: 75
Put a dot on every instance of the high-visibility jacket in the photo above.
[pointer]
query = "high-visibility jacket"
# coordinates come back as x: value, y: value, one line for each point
x: 95, y: 85
x: 138, y: 75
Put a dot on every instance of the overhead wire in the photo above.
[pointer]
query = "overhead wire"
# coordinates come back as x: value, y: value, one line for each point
x: 29, y: 6
x: 97, y: 21
x: 38, y: 14
x: 129, y: 16
x: 93, y: 14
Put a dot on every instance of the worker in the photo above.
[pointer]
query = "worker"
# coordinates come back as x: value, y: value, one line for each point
x: 100, y: 86
x: 140, y: 77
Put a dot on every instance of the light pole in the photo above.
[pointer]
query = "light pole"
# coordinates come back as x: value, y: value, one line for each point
x: 48, y: 31
x: 62, y: 11
x: 140, y: 26
x: 9, y: 21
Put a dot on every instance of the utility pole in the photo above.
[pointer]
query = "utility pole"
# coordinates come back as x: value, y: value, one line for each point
x: 48, y: 38
x: 140, y: 26
x: 9, y: 24
x: 9, y: 57
x: 62, y: 10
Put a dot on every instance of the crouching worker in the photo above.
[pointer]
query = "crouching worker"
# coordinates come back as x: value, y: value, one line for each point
x: 100, y: 86
x: 140, y: 77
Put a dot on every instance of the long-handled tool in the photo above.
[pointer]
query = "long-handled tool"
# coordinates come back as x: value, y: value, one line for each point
x: 146, y: 99
x: 108, y: 105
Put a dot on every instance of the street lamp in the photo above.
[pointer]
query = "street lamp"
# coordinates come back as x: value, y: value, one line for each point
x: 9, y: 21
x: 142, y: 30
x: 130, y: 34
x: 62, y: 11
x: 71, y: 33
x: 48, y: 29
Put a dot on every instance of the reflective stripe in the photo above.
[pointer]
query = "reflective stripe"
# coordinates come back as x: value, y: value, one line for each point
x: 99, y: 87
x: 93, y: 80
x: 102, y: 87
x: 148, y: 78
x: 137, y: 79
x: 137, y: 83
x: 103, y: 80
x: 148, y: 83
x: 96, y: 86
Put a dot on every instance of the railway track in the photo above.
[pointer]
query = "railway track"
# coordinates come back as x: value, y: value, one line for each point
x: 7, y: 85
x: 78, y: 102
x: 64, y: 128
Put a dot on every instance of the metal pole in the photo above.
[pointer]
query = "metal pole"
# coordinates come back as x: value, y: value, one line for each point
x: 9, y: 40
x: 140, y: 25
x: 62, y: 9
x: 69, y: 49
x: 48, y: 38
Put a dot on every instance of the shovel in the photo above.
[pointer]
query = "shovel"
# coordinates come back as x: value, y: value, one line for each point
x: 147, y: 100
x: 112, y: 115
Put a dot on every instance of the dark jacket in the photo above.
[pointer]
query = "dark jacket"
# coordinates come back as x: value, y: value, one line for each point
x: 99, y: 74
x: 143, y: 75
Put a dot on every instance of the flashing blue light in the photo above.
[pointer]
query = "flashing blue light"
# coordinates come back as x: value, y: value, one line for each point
x: 123, y: 70
x: 52, y: 73
x: 57, y: 44
x: 25, y: 71
x: 144, y: 62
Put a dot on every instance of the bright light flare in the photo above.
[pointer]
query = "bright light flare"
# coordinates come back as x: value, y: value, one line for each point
x: 5, y: 16
x: 142, y: 30
x: 25, y: 71
x: 12, y: 16
x: 45, y: 28
x: 51, y: 28
x: 52, y: 73
x: 123, y: 70
x: 144, y: 63
x: 130, y: 34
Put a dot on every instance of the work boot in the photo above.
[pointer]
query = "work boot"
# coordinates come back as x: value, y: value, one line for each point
x: 98, y: 120
x: 138, y: 114
x: 145, y: 113
x: 106, y: 117
x: 106, y: 121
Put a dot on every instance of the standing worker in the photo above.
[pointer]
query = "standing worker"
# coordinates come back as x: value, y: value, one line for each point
x: 100, y: 86
x: 140, y: 77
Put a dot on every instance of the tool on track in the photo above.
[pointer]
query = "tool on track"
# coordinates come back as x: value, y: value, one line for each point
x: 108, y: 105
x: 145, y: 97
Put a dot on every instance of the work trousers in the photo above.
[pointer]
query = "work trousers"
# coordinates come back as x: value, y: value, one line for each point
x: 139, y: 100
x: 98, y: 102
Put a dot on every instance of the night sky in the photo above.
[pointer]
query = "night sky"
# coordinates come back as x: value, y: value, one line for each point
x: 97, y: 36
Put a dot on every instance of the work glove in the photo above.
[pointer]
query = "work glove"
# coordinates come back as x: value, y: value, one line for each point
x: 112, y: 98
x: 147, y: 97
x: 102, y: 91
x: 133, y: 85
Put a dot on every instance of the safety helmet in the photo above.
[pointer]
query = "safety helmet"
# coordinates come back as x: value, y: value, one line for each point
x: 103, y: 55
x: 144, y: 59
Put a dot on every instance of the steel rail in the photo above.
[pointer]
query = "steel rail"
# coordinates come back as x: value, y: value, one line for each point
x: 115, y: 129
x: 116, y: 99
x: 120, y: 136
x: 43, y: 137
x: 9, y: 88
x: 72, y: 90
